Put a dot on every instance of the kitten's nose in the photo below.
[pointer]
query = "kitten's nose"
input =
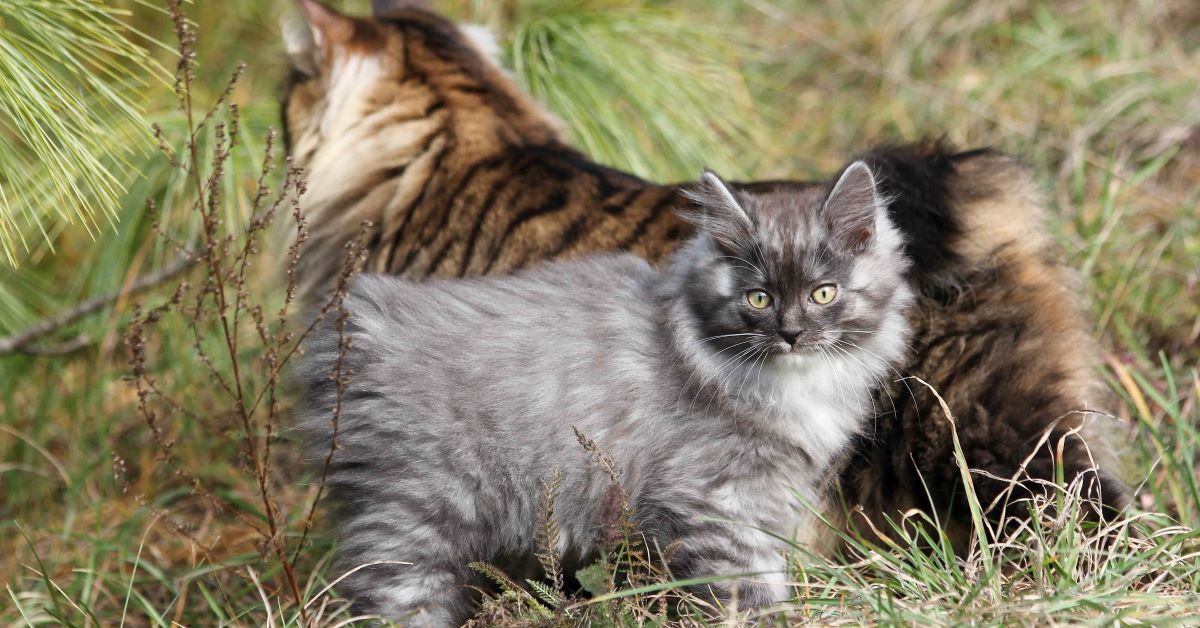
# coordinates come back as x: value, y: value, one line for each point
x: 790, y: 335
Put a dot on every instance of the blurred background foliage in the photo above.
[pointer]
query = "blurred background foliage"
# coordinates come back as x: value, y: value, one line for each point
x: 1101, y: 98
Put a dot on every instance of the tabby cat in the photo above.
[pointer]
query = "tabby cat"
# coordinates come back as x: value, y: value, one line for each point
x: 724, y: 388
x: 404, y: 120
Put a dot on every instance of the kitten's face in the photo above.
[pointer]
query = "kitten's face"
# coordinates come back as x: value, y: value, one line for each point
x: 794, y: 276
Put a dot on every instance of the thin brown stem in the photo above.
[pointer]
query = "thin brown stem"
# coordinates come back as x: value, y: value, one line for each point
x: 21, y: 341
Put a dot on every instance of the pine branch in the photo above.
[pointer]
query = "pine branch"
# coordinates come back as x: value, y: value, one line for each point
x: 22, y: 341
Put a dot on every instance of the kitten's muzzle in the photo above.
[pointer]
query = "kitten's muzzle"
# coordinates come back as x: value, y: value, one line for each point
x: 796, y: 339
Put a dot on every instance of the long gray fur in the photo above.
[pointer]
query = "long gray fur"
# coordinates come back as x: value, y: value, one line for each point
x: 463, y: 395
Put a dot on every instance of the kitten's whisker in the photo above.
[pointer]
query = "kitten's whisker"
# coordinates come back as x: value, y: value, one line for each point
x: 749, y: 354
x: 753, y: 366
x: 837, y: 382
x: 695, y: 372
x: 870, y: 332
x: 762, y: 256
x: 874, y: 378
x: 750, y: 265
x: 758, y: 380
x: 877, y: 357
x: 902, y: 377
x: 720, y: 369
x: 721, y: 384
x: 759, y: 368
x: 748, y: 363
x: 857, y: 393
x: 732, y: 371
x: 727, y: 336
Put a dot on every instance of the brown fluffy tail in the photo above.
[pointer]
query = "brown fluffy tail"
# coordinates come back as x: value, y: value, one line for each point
x: 1000, y: 333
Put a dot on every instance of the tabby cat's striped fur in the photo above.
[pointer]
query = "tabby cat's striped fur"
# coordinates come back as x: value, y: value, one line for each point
x: 403, y: 120
x: 459, y: 171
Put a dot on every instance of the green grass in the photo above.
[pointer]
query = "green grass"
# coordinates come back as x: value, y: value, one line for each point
x: 1101, y: 98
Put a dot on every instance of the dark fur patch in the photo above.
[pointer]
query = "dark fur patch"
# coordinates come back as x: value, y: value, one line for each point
x: 917, y: 179
x: 983, y: 352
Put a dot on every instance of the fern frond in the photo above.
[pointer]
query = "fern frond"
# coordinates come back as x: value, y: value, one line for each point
x: 548, y: 594
x: 512, y: 591
x: 548, y: 532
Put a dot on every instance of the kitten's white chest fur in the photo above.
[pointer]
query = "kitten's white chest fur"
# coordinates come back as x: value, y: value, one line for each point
x: 824, y: 400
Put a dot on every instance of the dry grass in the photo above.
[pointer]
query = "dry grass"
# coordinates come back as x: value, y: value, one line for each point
x: 98, y: 526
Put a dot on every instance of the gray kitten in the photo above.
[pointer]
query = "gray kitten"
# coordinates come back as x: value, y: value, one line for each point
x: 724, y: 387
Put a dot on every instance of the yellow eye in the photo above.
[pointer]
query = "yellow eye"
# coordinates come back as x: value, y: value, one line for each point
x: 758, y: 299
x: 824, y: 294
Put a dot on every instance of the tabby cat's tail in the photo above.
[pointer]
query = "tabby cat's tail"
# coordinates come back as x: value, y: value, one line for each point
x: 1003, y: 337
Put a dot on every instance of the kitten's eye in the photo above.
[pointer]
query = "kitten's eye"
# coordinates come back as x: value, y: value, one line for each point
x: 824, y: 294
x: 758, y: 299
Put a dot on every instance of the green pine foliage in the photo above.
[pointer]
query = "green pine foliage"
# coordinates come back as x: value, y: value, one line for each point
x: 602, y: 63
x: 70, y: 118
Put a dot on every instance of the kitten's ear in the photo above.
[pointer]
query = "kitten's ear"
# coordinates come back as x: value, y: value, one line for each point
x: 388, y: 8
x: 717, y: 211
x: 328, y: 27
x: 851, y: 206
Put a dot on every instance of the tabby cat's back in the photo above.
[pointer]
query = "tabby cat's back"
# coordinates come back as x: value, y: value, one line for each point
x: 408, y: 124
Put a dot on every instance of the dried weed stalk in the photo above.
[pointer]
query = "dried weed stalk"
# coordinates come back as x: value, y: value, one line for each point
x: 242, y: 348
